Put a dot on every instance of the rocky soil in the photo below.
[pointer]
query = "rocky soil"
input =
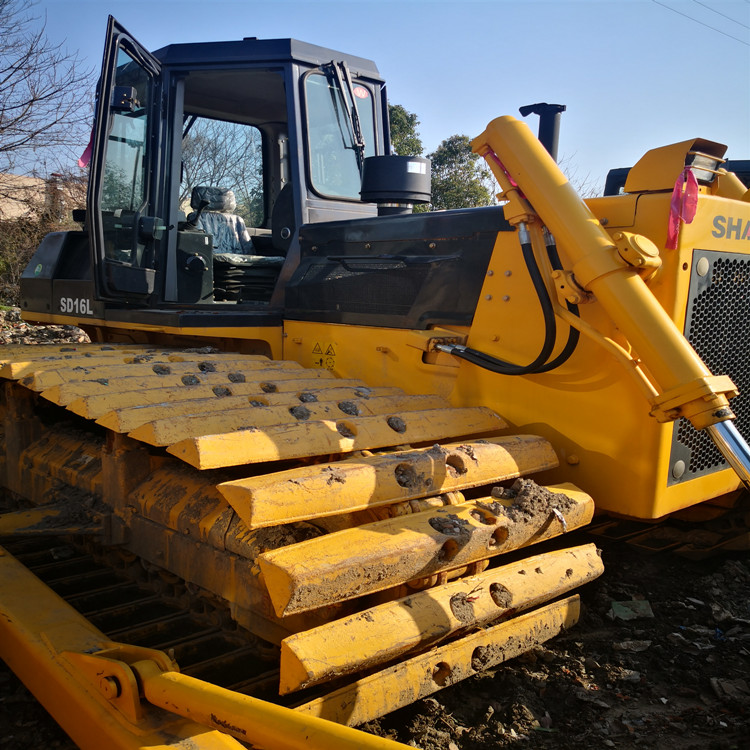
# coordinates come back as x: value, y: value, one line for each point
x: 675, y: 675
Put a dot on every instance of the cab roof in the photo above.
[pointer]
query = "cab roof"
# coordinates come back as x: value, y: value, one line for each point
x: 261, y: 50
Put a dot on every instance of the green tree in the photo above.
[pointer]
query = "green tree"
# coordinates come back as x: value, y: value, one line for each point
x: 459, y: 177
x: 404, y: 136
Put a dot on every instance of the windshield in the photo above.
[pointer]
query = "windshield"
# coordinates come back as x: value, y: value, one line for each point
x: 332, y: 146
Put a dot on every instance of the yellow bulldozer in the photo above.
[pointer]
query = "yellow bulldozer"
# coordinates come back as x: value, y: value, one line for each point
x: 285, y: 488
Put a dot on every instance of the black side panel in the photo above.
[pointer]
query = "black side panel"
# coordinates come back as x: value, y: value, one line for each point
x: 58, y: 278
x: 398, y: 271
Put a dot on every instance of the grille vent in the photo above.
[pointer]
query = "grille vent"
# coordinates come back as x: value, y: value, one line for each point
x: 718, y: 327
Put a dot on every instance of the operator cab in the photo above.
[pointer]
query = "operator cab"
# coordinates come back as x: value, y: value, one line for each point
x: 206, y: 159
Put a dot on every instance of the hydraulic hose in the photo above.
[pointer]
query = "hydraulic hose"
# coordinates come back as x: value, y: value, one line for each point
x: 541, y: 363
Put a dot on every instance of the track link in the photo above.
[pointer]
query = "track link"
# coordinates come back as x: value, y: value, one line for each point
x: 304, y: 504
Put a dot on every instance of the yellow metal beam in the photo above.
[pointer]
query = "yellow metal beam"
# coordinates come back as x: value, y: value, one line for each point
x: 267, y: 378
x: 249, y: 719
x: 181, y: 426
x: 95, y: 406
x: 43, y: 379
x: 32, y: 361
x: 327, y: 436
x: 37, y: 631
x: 379, y: 555
x: 361, y: 483
x: 391, y: 630
x: 446, y: 665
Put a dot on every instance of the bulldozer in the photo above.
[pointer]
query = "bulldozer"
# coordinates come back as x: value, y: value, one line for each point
x: 296, y: 479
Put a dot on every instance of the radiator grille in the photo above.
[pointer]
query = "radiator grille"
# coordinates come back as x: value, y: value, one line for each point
x: 718, y: 326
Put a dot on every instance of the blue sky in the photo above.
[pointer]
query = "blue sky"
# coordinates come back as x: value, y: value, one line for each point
x: 634, y: 74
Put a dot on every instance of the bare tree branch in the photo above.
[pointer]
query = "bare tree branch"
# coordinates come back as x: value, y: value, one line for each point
x: 42, y: 120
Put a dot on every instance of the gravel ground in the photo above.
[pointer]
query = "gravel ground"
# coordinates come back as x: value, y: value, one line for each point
x: 676, y: 676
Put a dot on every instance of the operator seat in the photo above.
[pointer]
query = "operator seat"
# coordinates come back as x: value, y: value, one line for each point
x: 218, y: 219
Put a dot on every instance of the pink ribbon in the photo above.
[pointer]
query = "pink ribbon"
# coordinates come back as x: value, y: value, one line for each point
x: 86, y: 155
x: 683, y: 206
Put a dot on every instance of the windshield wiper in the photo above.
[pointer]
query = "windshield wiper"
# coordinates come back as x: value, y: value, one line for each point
x: 344, y: 82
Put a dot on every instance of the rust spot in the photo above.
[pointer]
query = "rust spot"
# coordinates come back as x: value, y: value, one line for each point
x: 499, y: 537
x: 307, y: 398
x: 455, y: 465
x: 300, y: 412
x: 441, y: 673
x: 363, y: 392
x: 162, y: 369
x: 469, y: 451
x: 258, y: 402
x: 190, y: 380
x: 350, y: 408
x: 333, y: 475
x: 450, y: 524
x: 269, y: 388
x: 221, y: 391
x: 396, y: 424
x: 347, y: 430
x: 500, y: 595
x: 207, y: 367
x: 235, y: 377
x: 462, y: 608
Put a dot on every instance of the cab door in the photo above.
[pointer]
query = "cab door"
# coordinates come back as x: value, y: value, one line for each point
x: 123, y: 224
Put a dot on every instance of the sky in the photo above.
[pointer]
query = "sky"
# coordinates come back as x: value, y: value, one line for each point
x: 634, y: 74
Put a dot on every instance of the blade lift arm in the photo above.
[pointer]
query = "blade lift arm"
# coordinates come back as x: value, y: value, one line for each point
x: 611, y: 269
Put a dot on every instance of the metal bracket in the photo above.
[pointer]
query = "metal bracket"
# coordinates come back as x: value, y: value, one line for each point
x: 638, y: 251
x: 427, y: 341
x: 569, y: 290
x: 109, y: 672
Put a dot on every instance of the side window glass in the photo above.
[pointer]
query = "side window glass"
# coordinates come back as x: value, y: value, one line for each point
x: 124, y: 190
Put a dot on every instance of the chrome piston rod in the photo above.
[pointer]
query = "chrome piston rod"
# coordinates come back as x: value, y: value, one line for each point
x: 733, y: 447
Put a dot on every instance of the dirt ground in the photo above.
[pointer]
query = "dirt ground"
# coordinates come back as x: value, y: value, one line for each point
x: 677, y: 675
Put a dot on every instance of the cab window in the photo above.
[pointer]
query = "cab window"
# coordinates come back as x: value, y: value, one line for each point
x: 332, y: 150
